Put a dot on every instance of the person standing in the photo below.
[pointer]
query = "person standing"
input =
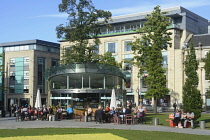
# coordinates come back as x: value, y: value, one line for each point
x: 174, y: 105
x: 70, y: 112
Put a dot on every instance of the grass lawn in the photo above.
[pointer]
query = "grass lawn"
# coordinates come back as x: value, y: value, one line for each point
x: 163, y: 116
x: 104, y: 134
x: 126, y: 134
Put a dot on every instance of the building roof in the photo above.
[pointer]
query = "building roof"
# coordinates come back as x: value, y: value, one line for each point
x: 172, y: 12
x: 28, y: 42
x: 203, y: 39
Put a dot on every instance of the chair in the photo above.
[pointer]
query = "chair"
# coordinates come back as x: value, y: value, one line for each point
x: 64, y: 115
x: 80, y: 117
x: 129, y: 118
x: 116, y: 119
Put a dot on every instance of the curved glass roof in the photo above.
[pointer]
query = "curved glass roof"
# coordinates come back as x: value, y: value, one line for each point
x: 84, y: 68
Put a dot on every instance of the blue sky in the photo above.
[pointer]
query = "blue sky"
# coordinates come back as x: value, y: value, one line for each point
x: 37, y: 19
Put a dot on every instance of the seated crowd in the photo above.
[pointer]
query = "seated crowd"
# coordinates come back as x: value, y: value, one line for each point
x: 181, y: 118
x: 103, y: 115
x: 107, y: 115
x: 29, y: 113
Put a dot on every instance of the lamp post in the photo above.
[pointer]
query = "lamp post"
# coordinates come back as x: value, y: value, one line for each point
x: 137, y: 90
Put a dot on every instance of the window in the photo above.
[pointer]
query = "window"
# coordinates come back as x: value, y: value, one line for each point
x: 96, y: 50
x: 128, y: 57
x: 165, y: 59
x: 205, y: 53
x: 111, y: 47
x: 127, y: 46
x: 12, y: 61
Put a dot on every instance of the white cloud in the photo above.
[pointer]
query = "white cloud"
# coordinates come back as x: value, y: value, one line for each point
x: 62, y: 15
x: 144, y: 6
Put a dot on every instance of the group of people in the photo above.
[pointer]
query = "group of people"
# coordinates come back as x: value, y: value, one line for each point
x: 183, y: 118
x: 108, y: 113
x: 26, y: 112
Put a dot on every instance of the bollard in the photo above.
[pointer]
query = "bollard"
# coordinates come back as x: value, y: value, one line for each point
x: 156, y: 121
x: 85, y: 117
x: 53, y: 117
x: 50, y: 118
x: 202, y: 124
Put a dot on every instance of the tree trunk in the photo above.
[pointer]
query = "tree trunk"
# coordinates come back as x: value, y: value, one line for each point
x: 155, y: 106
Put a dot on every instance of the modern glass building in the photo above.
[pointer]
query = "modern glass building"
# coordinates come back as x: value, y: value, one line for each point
x: 24, y: 63
x: 85, y: 84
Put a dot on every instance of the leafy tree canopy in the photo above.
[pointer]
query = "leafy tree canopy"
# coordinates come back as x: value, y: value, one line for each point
x: 191, y: 95
x: 84, y: 23
x: 154, y: 37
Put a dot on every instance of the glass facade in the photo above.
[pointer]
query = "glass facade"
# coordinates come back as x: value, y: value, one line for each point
x: 84, y: 84
x: 123, y: 27
x: 128, y: 57
x: 111, y: 47
x: 32, y: 47
x: 127, y: 47
x: 19, y: 75
x: 41, y: 69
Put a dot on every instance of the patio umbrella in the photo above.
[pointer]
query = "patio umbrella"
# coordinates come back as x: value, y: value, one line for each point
x: 113, y: 100
x: 38, y: 103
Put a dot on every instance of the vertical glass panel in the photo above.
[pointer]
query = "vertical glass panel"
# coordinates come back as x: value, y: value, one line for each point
x: 75, y: 81
x: 127, y: 27
x: 110, y: 82
x: 86, y: 80
x: 127, y: 46
x: 41, y: 69
x: 117, y: 28
x: 19, y: 74
x: 97, y: 81
x: 111, y: 47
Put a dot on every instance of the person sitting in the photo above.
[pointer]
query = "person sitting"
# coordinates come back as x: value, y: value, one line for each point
x: 99, y: 115
x: 107, y: 109
x: 59, y: 112
x: 140, y: 114
x: 70, y: 112
x: 112, y: 111
x: 177, y: 116
x: 30, y: 112
x: 189, y: 117
x: 89, y: 112
x: 45, y: 113
x: 127, y: 110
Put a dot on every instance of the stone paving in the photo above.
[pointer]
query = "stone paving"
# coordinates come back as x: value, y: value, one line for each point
x: 10, y: 123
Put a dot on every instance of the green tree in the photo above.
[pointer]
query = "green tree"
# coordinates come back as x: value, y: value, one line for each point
x: 207, y: 71
x: 148, y: 57
x: 84, y: 22
x: 191, y: 95
x: 108, y: 59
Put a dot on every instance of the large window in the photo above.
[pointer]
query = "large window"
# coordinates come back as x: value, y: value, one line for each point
x: 165, y: 59
x: 128, y: 57
x: 41, y: 69
x: 127, y: 46
x: 111, y: 47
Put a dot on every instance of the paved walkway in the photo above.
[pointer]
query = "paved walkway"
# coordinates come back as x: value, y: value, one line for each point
x: 10, y: 123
